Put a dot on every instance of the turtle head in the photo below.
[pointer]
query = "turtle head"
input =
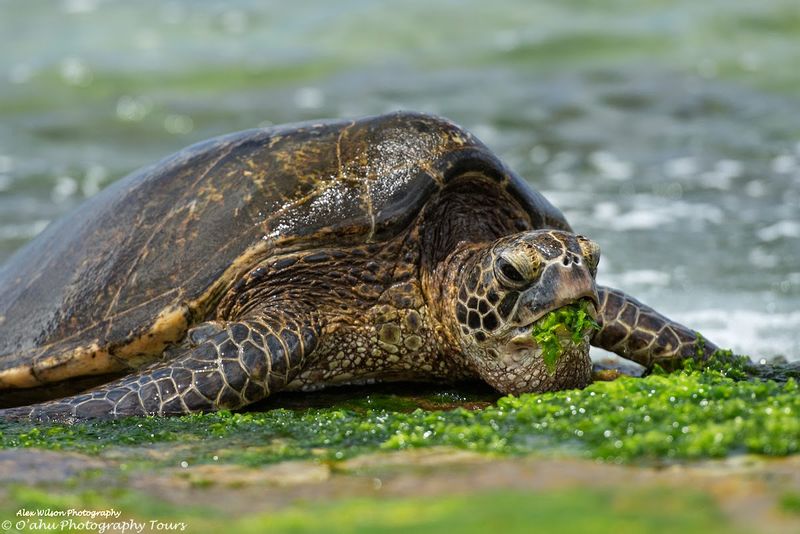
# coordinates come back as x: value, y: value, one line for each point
x: 508, y: 290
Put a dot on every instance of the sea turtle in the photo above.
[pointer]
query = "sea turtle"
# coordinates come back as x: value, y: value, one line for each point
x: 393, y: 247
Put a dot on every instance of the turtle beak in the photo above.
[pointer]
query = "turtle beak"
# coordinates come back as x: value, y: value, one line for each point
x: 561, y: 284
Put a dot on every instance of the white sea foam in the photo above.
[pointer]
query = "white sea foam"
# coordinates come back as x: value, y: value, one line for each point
x: 760, y: 257
x: 788, y: 229
x: 309, y: 98
x: 653, y: 212
x: 567, y: 199
x: 758, y: 334
x: 22, y: 231
x: 784, y: 164
x: 65, y: 187
x: 722, y: 175
x: 640, y: 278
x: 680, y: 167
x: 611, y: 166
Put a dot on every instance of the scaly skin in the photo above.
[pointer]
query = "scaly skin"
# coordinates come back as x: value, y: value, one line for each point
x: 282, y: 335
x: 242, y: 363
x: 508, y: 287
x: 637, y: 332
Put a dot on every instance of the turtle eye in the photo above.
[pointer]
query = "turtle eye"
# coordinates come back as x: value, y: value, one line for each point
x: 508, y: 273
x: 591, y: 253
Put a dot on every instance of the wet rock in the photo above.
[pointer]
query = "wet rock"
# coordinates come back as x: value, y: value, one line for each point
x: 436, y: 456
x: 282, y: 474
x: 31, y: 466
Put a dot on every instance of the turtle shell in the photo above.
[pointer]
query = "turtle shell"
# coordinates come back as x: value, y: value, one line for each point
x: 111, y: 284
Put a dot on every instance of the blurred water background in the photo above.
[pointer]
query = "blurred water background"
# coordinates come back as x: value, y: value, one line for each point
x: 669, y: 131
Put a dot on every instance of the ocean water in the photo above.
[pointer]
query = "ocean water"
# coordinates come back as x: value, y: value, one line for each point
x: 669, y: 132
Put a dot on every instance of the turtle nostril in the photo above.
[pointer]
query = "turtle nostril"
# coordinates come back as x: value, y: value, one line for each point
x: 570, y: 259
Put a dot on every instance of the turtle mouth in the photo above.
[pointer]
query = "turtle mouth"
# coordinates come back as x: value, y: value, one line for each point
x: 523, y: 337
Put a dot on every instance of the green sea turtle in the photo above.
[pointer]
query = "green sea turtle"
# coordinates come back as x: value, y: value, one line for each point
x: 394, y: 247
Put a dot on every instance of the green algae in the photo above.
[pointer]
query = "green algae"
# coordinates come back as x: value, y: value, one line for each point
x: 695, y: 413
x: 580, y: 48
x: 507, y: 511
x: 568, y: 323
x: 564, y: 510
x: 790, y: 502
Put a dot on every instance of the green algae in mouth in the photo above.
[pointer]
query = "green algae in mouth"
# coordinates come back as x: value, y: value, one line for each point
x: 568, y: 323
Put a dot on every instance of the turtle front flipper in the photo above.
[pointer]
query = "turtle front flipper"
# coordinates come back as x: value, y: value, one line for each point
x: 637, y: 332
x: 245, y: 361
